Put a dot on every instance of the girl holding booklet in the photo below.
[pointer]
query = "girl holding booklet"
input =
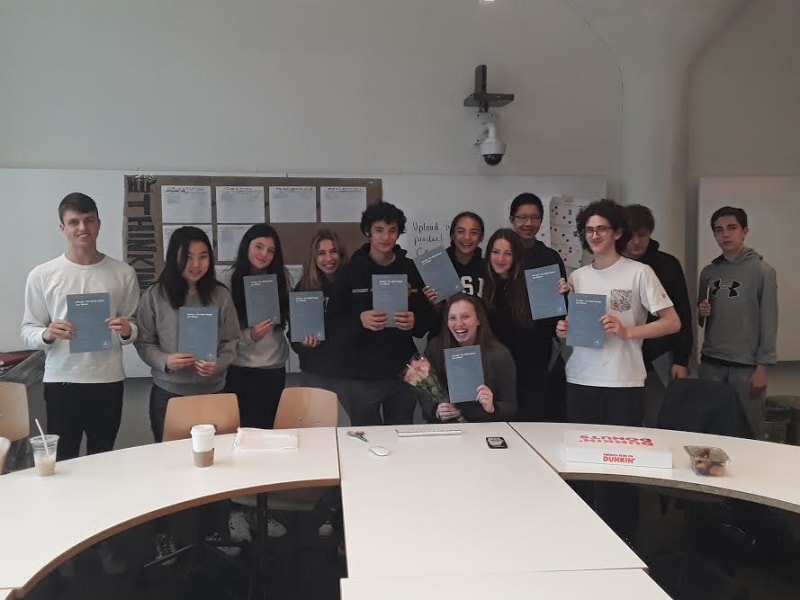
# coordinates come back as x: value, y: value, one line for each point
x: 530, y: 342
x: 188, y: 279
x: 468, y: 325
x: 466, y: 232
x: 319, y: 360
x: 258, y: 373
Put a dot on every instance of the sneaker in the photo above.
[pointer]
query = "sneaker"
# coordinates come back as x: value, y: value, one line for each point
x: 275, y: 529
x: 111, y: 561
x: 326, y: 529
x: 165, y: 545
x: 215, y: 539
x: 239, y: 527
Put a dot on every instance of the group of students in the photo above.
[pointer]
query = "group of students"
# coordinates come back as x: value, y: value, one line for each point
x: 362, y: 358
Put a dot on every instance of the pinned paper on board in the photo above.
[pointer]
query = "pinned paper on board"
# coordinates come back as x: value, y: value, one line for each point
x: 564, y: 237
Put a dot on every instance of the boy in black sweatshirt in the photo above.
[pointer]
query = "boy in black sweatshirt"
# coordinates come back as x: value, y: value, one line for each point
x: 378, y: 353
x: 675, y: 348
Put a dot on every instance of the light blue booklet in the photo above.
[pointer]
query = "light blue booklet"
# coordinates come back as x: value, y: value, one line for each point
x: 261, y: 299
x: 464, y: 373
x: 306, y: 315
x: 438, y: 272
x: 390, y: 295
x: 585, y: 328
x: 543, y: 293
x: 88, y: 314
x: 198, y: 331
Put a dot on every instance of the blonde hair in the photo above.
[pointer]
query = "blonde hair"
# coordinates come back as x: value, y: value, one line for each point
x: 313, y: 278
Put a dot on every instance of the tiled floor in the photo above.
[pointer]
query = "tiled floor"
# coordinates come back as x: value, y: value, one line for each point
x: 303, y: 566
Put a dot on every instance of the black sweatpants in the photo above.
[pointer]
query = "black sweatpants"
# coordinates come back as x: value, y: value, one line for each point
x: 258, y: 392
x: 75, y: 409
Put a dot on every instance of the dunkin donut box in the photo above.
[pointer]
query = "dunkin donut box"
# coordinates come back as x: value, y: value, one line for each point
x: 626, y: 449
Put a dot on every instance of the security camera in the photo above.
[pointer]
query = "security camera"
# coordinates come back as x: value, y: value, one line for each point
x: 491, y: 146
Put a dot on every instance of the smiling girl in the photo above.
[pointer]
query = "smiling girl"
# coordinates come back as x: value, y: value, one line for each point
x: 258, y: 373
x: 468, y: 325
x: 530, y: 342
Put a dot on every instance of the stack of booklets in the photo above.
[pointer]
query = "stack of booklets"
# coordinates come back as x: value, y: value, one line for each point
x: 628, y: 449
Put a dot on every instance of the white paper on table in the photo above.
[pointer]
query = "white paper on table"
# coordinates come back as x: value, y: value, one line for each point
x: 228, y: 238
x: 293, y: 204
x: 251, y: 438
x: 168, y: 230
x: 343, y: 204
x: 240, y: 204
x: 186, y: 204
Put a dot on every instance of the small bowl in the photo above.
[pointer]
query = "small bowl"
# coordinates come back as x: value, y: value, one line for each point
x: 707, y: 460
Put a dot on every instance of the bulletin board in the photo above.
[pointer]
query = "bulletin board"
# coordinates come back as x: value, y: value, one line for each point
x: 226, y: 206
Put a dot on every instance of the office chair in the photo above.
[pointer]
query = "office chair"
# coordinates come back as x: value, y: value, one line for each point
x: 14, y: 420
x: 708, y: 406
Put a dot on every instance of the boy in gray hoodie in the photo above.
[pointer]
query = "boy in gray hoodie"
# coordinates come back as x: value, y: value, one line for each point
x: 738, y: 307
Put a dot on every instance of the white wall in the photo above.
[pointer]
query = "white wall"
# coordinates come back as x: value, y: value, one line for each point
x: 346, y: 86
x: 744, y: 114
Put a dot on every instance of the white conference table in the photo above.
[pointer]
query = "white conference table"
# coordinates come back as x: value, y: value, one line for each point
x: 758, y: 471
x: 597, y: 585
x: 449, y: 506
x: 93, y: 497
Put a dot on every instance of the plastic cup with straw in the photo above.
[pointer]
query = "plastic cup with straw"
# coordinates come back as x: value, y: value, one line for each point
x: 44, y: 451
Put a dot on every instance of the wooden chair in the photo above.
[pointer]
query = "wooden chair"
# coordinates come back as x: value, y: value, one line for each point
x: 307, y: 407
x: 15, y: 424
x: 302, y: 407
x: 183, y: 412
x: 5, y: 445
x: 14, y: 418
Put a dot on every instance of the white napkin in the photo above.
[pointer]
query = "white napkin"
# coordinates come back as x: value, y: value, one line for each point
x: 251, y: 438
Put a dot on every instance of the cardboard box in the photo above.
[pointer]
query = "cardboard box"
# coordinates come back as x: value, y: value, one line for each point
x: 616, y: 449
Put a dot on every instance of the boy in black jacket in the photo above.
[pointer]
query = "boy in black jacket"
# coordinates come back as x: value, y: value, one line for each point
x: 675, y: 349
x: 377, y: 354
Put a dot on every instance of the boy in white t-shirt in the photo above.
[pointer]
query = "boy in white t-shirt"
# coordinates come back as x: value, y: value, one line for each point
x: 606, y: 385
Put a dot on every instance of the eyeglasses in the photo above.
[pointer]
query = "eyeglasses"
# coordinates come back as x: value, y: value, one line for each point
x: 527, y: 218
x: 599, y: 230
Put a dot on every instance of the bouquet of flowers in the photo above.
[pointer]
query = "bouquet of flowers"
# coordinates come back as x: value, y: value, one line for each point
x: 420, y: 375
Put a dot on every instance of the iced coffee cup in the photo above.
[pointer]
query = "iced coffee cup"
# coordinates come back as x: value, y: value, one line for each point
x: 44, y: 454
x: 203, y: 445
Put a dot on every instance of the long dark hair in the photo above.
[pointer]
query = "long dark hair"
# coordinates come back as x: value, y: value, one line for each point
x: 484, y: 337
x: 242, y: 267
x: 313, y: 277
x: 171, y: 279
x: 515, y: 283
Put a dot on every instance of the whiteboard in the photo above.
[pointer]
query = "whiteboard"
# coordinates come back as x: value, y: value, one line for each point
x: 773, y: 214
x: 30, y: 200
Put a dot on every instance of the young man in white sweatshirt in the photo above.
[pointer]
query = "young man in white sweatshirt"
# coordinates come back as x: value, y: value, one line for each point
x: 82, y: 391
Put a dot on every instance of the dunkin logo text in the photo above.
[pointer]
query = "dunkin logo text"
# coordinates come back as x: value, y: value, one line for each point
x: 615, y: 439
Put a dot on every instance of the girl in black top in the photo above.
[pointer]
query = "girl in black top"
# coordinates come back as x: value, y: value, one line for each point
x: 466, y: 232
x: 319, y: 359
x: 530, y: 342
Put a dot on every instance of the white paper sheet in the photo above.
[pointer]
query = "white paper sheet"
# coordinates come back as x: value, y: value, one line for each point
x: 228, y: 238
x: 293, y: 204
x: 186, y: 204
x: 342, y: 204
x: 169, y: 229
x: 240, y: 204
